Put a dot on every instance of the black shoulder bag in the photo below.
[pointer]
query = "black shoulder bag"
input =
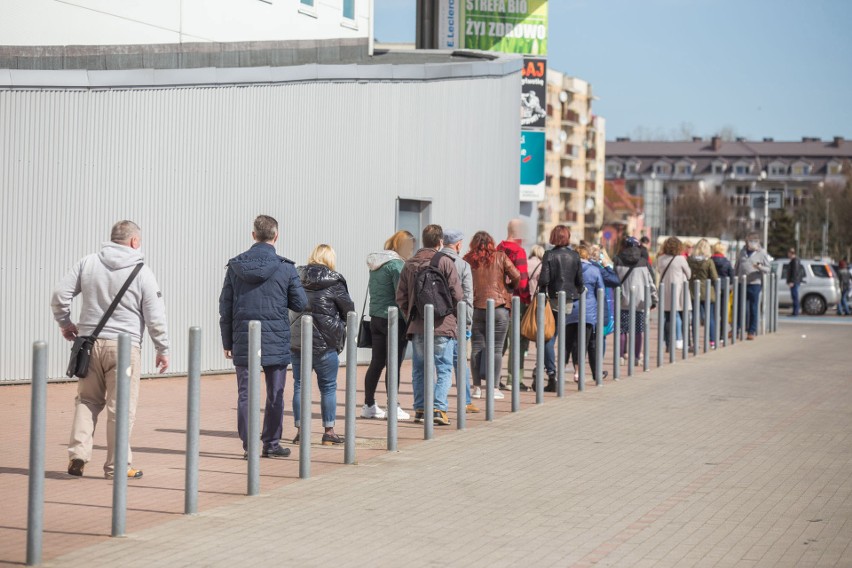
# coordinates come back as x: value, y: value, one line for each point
x: 365, y: 335
x: 81, y: 351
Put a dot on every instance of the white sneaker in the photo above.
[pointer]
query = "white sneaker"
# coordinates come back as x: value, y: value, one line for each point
x: 401, y: 414
x: 679, y: 344
x: 476, y: 393
x: 498, y: 394
x: 373, y: 412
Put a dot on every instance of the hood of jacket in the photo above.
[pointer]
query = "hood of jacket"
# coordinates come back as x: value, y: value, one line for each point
x: 630, y: 256
x: 257, y: 264
x: 116, y: 257
x: 318, y: 277
x: 376, y: 260
x: 699, y: 258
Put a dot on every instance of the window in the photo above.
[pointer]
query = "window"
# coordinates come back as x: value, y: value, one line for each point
x: 633, y: 167
x: 348, y: 9
x: 662, y: 168
x: 613, y: 170
x: 785, y: 269
x: 719, y: 167
x: 742, y: 169
x: 801, y: 169
x: 683, y: 169
x: 835, y: 168
x: 820, y: 270
x: 777, y: 169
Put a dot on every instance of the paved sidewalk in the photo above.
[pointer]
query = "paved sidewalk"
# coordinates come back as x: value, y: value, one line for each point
x: 739, y: 458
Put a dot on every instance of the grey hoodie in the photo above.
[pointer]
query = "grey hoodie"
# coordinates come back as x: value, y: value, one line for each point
x: 98, y: 278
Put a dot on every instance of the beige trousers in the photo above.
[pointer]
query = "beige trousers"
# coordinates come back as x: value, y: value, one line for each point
x: 94, y: 393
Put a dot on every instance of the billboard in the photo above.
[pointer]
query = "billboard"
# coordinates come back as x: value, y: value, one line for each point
x: 533, y: 93
x: 508, y: 26
x: 533, y: 148
x: 449, y: 24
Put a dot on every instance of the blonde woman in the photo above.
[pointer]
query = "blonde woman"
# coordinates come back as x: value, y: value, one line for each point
x: 703, y: 268
x: 328, y: 303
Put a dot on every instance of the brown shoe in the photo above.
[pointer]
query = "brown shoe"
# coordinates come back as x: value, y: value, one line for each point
x: 440, y: 418
x: 750, y: 337
x: 471, y: 409
x: 75, y: 467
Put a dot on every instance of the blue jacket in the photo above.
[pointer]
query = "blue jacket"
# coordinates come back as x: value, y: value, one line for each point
x: 610, y: 280
x: 592, y: 280
x: 260, y: 285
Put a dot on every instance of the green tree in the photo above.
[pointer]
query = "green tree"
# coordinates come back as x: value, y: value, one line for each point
x: 782, y: 233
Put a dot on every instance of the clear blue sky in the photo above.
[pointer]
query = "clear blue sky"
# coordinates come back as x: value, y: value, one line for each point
x: 779, y: 68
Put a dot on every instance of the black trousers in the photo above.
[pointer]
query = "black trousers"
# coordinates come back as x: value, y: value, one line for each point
x: 379, y: 360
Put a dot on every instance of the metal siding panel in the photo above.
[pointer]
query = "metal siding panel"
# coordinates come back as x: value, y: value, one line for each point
x: 193, y: 166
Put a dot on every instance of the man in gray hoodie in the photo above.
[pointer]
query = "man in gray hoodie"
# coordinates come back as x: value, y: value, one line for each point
x: 97, y: 278
x: 753, y: 263
x: 452, y: 248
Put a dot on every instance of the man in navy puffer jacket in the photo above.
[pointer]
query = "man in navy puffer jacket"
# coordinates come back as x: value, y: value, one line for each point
x: 260, y: 285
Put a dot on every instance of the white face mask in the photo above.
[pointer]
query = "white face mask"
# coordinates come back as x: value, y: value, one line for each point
x: 753, y: 245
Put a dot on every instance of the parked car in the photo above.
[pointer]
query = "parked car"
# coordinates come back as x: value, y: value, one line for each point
x: 818, y: 291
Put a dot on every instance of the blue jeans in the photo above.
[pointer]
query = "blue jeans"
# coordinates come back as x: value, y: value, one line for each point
x: 794, y: 296
x: 550, y: 354
x: 325, y: 366
x: 466, y: 372
x: 678, y: 327
x: 444, y: 349
x: 843, y: 305
x: 752, y: 306
x: 712, y: 319
x: 273, y: 415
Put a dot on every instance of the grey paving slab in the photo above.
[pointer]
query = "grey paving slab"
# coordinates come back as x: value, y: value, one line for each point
x: 742, y: 457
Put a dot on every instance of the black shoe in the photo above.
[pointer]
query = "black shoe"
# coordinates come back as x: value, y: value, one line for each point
x: 75, y: 467
x: 604, y: 375
x: 524, y: 388
x: 502, y: 386
x: 551, y: 385
x: 331, y: 439
x: 276, y: 452
x: 418, y: 416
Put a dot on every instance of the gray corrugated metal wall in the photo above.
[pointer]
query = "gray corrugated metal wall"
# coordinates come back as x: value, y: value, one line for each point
x: 193, y: 166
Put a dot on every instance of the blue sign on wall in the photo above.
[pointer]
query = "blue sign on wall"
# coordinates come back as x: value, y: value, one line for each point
x: 532, y: 165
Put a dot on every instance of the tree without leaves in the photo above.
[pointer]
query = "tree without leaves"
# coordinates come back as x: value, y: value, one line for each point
x: 700, y: 213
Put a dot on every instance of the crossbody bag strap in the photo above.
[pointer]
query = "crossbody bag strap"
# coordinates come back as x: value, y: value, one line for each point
x: 364, y: 307
x: 663, y: 275
x: 629, y: 270
x: 114, y: 304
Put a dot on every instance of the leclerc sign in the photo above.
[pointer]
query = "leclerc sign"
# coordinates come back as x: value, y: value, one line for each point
x: 532, y: 165
x: 449, y: 20
x: 508, y: 26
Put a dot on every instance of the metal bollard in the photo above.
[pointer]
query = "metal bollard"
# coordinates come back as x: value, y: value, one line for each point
x: 193, y: 421
x: 429, y: 371
x: 461, y: 366
x: 631, y: 333
x: 516, y: 353
x: 393, y: 376
x: 660, y: 323
x: 685, y: 321
x: 696, y: 315
x: 646, y: 339
x: 122, y: 409
x: 735, y: 309
x: 616, y: 334
x: 581, y: 344
x: 717, y: 287
x: 723, y: 323
x: 489, y: 361
x: 764, y: 288
x: 253, y: 430
x: 673, y: 324
x: 560, y: 344
x: 707, y: 316
x: 599, y: 338
x: 352, y: 387
x: 776, y: 305
x: 743, y: 308
x: 539, y: 350
x: 305, y: 402
x: 35, y: 494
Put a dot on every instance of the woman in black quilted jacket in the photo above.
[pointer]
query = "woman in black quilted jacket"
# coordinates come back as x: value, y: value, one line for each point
x: 328, y: 303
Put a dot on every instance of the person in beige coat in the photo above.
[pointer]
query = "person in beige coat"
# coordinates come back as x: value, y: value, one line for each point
x: 673, y: 269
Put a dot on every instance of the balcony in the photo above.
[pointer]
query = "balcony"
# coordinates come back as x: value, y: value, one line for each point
x: 567, y: 183
x: 569, y: 115
x: 566, y: 216
x: 591, y: 154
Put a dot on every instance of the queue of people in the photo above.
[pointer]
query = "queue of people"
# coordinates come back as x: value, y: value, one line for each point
x: 263, y: 286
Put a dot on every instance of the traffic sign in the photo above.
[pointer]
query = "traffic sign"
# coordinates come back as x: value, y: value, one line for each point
x: 776, y: 199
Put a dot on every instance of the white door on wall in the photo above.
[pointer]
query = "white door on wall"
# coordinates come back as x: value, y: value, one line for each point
x: 413, y: 215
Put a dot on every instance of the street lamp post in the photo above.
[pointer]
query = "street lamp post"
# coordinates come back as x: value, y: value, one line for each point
x: 825, y: 230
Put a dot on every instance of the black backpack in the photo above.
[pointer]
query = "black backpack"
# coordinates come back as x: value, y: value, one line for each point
x: 431, y: 287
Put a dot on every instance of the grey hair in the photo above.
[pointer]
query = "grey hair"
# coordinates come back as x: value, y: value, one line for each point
x: 123, y: 231
x: 265, y: 228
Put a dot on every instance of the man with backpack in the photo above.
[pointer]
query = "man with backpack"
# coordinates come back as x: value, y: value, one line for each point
x: 430, y: 277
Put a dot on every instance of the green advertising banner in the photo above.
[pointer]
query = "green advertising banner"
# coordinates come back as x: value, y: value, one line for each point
x: 508, y: 26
